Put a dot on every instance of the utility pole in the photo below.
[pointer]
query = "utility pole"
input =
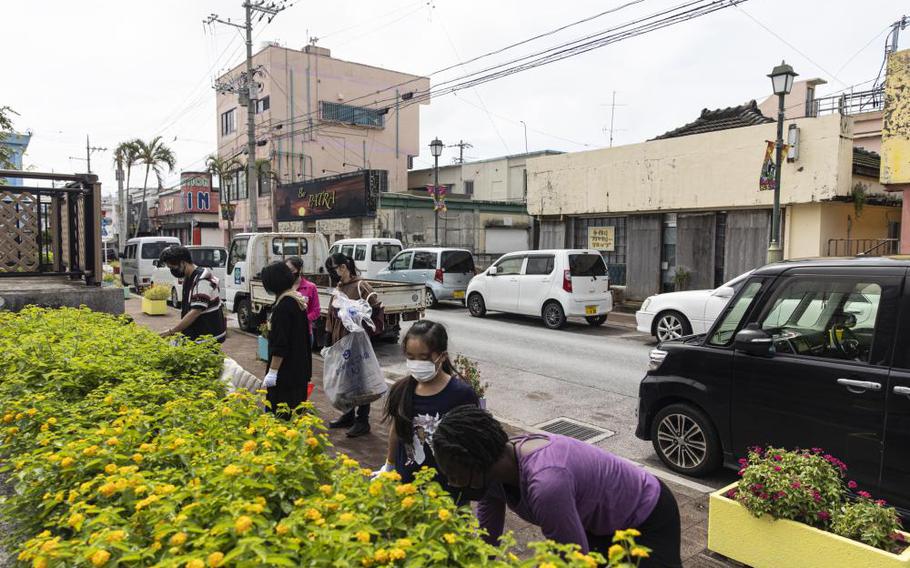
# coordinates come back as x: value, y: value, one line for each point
x: 88, y: 153
x: 461, y: 146
x: 611, y: 129
x: 896, y: 27
x: 247, y: 91
x: 526, y: 134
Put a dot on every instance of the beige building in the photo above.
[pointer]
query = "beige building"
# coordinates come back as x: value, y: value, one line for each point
x: 685, y: 210
x: 318, y: 116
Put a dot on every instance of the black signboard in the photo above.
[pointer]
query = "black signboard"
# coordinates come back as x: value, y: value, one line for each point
x: 354, y: 194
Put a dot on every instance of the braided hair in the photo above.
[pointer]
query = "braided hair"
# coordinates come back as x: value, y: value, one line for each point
x: 470, y: 437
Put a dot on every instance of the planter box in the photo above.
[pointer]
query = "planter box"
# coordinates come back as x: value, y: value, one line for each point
x: 262, y: 349
x: 154, y: 307
x: 779, y: 543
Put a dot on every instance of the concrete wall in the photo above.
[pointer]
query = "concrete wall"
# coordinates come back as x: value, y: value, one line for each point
x: 498, y: 179
x: 718, y: 170
x: 896, y: 128
x: 810, y: 226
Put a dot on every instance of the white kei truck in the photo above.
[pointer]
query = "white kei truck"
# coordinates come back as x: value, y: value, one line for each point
x: 246, y: 297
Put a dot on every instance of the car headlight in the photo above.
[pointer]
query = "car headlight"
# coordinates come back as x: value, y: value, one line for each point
x: 646, y: 303
x: 656, y: 358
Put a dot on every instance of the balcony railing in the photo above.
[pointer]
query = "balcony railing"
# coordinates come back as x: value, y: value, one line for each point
x: 51, y: 231
x: 862, y: 247
x: 848, y: 103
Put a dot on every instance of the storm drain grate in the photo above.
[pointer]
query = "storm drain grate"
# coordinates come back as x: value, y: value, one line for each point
x: 575, y: 429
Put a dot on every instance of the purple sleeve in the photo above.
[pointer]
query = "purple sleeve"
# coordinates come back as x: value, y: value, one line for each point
x: 491, y: 513
x: 551, y: 497
x: 313, y: 303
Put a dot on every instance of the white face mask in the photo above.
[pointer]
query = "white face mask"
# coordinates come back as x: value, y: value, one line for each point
x: 422, y: 371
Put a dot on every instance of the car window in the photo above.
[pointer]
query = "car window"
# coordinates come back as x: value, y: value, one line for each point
x: 348, y: 251
x: 824, y: 317
x: 360, y: 252
x: 738, y: 282
x: 424, y: 261
x: 238, y: 253
x: 587, y: 265
x: 209, y: 258
x: 153, y: 250
x: 733, y: 317
x: 289, y: 246
x: 540, y: 265
x: 335, y: 249
x: 458, y: 261
x: 384, y: 253
x: 511, y: 265
x: 402, y: 261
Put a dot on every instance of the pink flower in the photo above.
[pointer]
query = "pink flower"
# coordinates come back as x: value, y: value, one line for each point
x: 778, y: 457
x: 778, y: 468
x: 881, y: 502
x: 816, y: 496
x: 781, y: 494
x: 851, y: 484
x: 899, y: 537
x: 865, y: 494
x: 824, y: 515
x: 743, y: 462
x: 817, y: 450
x: 796, y: 485
x: 741, y: 472
x: 731, y: 494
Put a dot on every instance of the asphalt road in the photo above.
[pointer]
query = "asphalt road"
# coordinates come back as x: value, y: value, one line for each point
x: 537, y: 375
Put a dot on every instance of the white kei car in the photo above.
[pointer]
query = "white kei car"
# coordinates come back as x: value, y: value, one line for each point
x: 677, y: 314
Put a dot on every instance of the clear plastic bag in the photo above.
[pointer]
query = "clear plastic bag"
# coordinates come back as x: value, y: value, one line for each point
x: 352, y: 313
x: 351, y: 373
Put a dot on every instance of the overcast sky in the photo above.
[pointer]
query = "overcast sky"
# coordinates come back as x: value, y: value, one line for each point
x: 125, y: 69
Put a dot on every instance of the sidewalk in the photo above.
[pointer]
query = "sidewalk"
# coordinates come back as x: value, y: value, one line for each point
x: 370, y: 450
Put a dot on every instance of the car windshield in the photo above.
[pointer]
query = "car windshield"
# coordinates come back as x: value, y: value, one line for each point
x: 151, y: 251
x: 587, y: 265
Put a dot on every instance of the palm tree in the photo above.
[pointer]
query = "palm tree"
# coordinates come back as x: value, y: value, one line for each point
x: 154, y: 154
x: 223, y: 168
x: 125, y: 154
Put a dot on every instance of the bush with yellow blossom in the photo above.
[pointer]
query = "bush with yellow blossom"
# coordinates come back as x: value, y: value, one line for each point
x: 126, y: 451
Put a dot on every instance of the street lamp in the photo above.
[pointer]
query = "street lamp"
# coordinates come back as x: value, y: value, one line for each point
x: 436, y: 149
x: 782, y: 82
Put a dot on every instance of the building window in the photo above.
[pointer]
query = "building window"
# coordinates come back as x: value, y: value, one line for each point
x: 228, y: 122
x: 262, y: 104
x: 469, y: 187
x: 348, y: 114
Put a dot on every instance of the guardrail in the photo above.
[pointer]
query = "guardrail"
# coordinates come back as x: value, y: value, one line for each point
x: 51, y: 231
x: 862, y: 247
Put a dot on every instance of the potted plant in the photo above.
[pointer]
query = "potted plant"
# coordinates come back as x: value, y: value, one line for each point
x: 262, y: 349
x: 154, y: 300
x: 467, y: 368
x: 796, y: 509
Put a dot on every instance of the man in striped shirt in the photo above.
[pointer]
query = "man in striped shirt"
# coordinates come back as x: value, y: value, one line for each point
x: 201, y: 312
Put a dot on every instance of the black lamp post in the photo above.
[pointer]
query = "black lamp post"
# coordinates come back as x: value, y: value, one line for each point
x: 436, y: 149
x: 782, y: 81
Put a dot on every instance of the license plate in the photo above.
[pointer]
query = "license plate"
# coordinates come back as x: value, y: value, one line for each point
x: 459, y: 294
x: 591, y: 310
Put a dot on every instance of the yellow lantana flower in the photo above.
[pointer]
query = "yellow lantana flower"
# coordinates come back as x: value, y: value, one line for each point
x: 195, y: 563
x: 449, y: 538
x: 177, y: 539
x: 407, y: 502
x: 232, y: 470
x: 110, y: 469
x: 363, y: 536
x: 444, y: 515
x: 639, y: 552
x: 100, y: 558
x: 406, y: 489
x: 215, y: 559
x: 397, y: 554
x: 243, y: 524
x: 325, y: 490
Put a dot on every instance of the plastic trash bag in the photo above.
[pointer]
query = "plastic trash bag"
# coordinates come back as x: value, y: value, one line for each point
x: 351, y: 374
x: 352, y: 313
x: 237, y: 378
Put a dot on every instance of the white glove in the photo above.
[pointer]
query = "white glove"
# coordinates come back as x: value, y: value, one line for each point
x: 383, y: 469
x: 270, y: 379
x: 325, y: 352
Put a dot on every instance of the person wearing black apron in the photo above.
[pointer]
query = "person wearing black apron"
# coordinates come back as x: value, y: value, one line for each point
x: 200, y: 308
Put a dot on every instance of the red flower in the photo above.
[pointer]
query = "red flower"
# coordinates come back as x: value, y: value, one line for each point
x: 796, y: 485
x: 778, y: 457
x: 731, y: 494
x: 778, y: 468
x: 817, y: 450
x: 851, y: 484
x: 824, y: 515
x: 899, y: 537
x: 881, y: 502
x: 865, y: 494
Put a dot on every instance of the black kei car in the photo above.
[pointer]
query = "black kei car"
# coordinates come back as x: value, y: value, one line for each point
x: 808, y: 354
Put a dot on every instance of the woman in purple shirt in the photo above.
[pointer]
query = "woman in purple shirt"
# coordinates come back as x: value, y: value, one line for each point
x: 575, y: 492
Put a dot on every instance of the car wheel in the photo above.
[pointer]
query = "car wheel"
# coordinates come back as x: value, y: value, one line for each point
x: 553, y: 315
x: 596, y: 321
x: 476, y: 306
x: 246, y: 319
x: 685, y: 440
x: 431, y: 298
x: 175, y: 299
x: 671, y: 325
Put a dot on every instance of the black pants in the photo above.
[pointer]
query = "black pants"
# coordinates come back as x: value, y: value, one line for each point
x: 358, y: 413
x: 660, y: 532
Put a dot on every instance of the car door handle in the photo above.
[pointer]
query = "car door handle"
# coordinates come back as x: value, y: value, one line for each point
x: 859, y: 387
x: 902, y: 390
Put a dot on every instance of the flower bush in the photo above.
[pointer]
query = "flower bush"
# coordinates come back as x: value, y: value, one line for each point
x: 157, y: 292
x: 810, y: 486
x: 125, y: 450
x: 467, y: 368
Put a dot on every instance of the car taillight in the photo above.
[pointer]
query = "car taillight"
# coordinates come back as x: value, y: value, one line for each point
x: 567, y: 281
x: 439, y: 273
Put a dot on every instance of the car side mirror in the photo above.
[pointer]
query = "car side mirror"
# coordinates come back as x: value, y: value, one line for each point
x: 724, y: 292
x: 494, y: 270
x: 753, y: 340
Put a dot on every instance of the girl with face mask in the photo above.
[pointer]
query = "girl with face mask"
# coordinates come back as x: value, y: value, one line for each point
x: 417, y: 403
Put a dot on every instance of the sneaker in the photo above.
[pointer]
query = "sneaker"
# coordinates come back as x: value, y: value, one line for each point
x: 359, y: 429
x: 344, y: 422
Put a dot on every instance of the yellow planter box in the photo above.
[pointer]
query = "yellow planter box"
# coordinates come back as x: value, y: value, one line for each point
x: 154, y: 307
x: 771, y: 543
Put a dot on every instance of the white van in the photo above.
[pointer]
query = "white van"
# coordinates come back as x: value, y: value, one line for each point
x: 550, y: 284
x: 137, y: 261
x: 370, y: 255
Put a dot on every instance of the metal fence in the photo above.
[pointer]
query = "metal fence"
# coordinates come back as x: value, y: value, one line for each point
x: 862, y: 247
x: 51, y: 231
x: 848, y: 103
